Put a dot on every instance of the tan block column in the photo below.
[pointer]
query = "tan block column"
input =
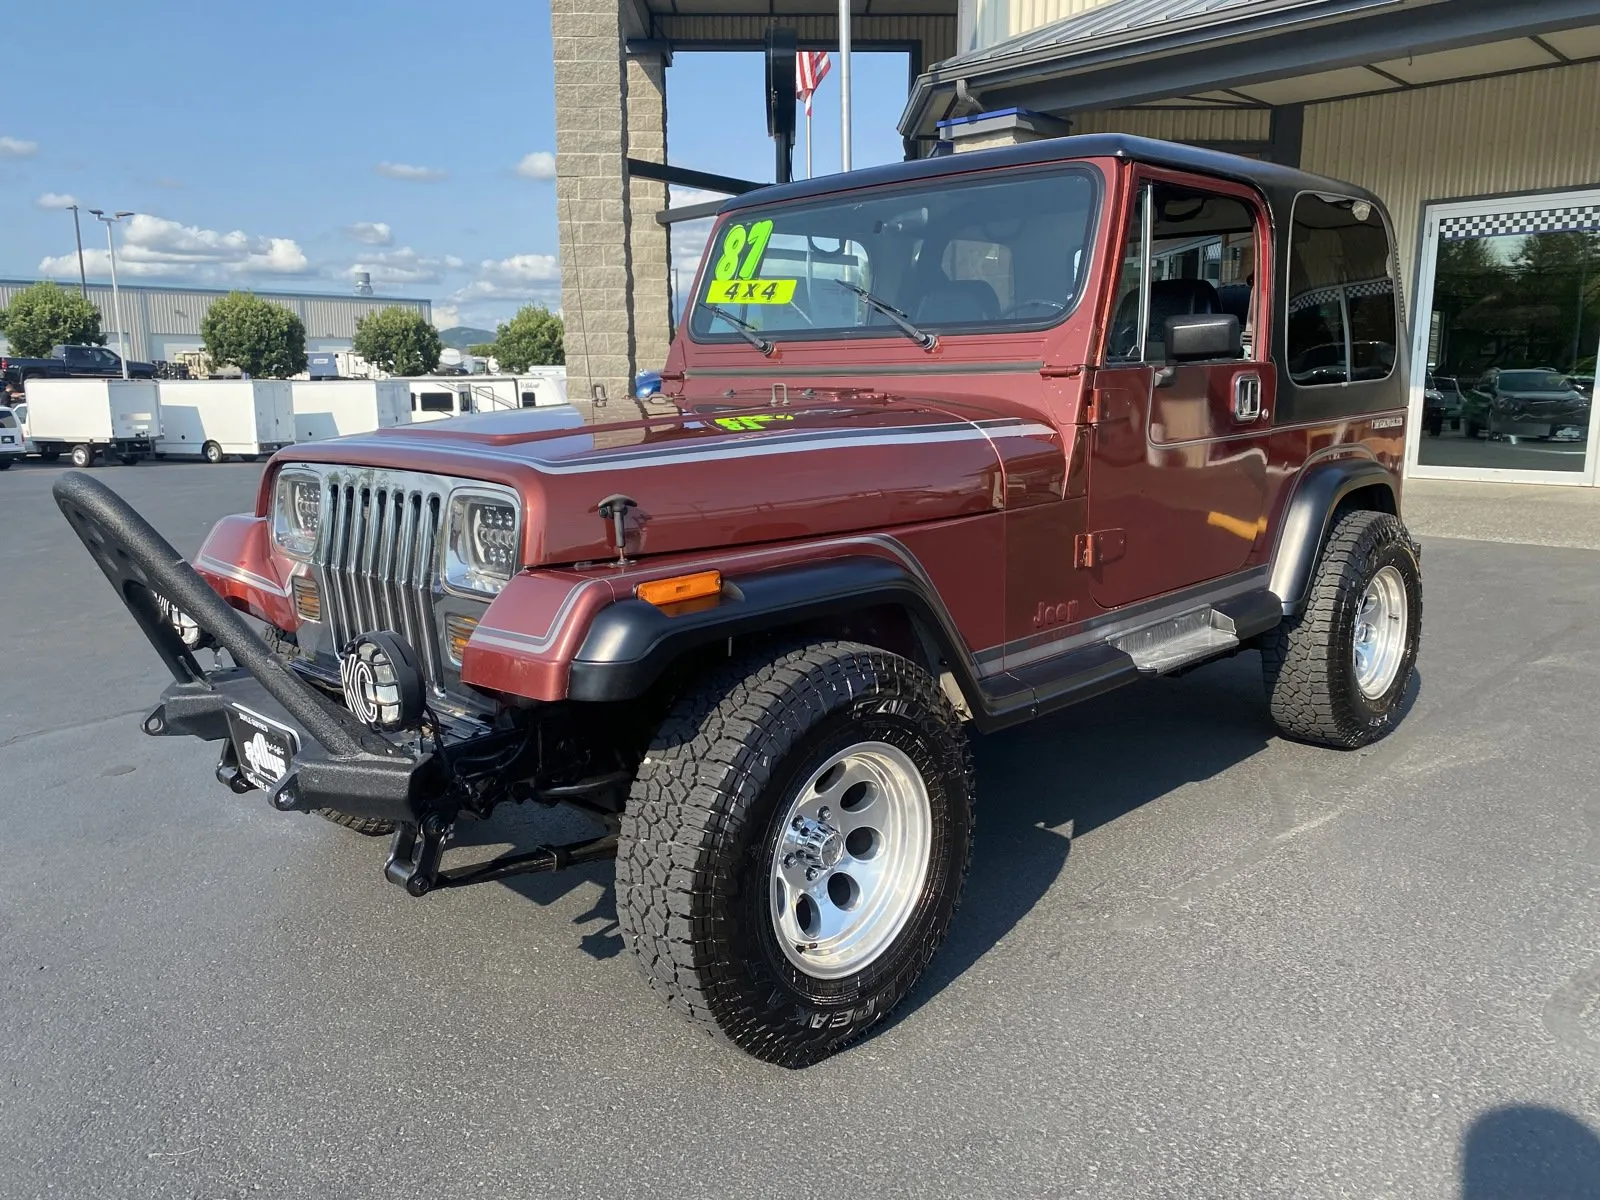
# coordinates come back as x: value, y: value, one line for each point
x: 649, y: 249
x: 592, y: 195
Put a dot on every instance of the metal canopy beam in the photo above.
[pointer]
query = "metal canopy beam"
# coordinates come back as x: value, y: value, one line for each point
x: 1056, y: 79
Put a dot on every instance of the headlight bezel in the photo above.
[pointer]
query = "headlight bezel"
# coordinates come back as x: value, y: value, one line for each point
x: 288, y: 480
x: 462, y: 572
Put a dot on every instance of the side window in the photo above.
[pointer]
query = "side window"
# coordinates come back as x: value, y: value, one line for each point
x: 1201, y: 258
x: 1343, y: 315
x: 7, y: 421
x: 530, y: 399
x: 444, y: 402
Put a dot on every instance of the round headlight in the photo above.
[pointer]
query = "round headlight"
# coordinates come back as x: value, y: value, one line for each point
x: 382, y: 684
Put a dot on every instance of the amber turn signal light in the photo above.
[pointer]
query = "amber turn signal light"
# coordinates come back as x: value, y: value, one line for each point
x: 306, y: 600
x: 679, y: 588
x: 457, y: 629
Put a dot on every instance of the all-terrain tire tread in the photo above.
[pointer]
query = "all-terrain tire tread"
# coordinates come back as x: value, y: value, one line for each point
x: 1301, y: 667
x: 710, y: 761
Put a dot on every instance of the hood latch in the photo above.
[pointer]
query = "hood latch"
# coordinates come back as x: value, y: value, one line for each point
x: 615, y: 509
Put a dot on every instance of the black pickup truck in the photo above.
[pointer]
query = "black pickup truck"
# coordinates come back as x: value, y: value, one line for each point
x: 73, y: 362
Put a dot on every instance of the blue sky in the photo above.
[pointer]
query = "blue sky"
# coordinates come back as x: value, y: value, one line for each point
x: 287, y: 145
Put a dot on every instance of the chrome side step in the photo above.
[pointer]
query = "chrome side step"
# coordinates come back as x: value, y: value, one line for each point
x: 1178, y: 641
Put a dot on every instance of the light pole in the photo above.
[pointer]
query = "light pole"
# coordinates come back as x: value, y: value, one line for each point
x: 77, y: 233
x: 116, y: 296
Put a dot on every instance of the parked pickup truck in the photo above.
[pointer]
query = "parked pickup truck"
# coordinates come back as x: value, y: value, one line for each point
x: 73, y: 362
x: 944, y: 444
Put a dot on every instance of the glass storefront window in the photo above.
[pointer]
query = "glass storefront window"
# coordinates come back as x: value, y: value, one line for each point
x: 1513, y: 331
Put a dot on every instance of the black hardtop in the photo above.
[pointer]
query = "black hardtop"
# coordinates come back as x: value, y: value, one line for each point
x: 1281, y: 184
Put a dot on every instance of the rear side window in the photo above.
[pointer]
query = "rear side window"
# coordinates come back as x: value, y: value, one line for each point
x: 437, y: 402
x: 7, y: 421
x: 1343, y: 314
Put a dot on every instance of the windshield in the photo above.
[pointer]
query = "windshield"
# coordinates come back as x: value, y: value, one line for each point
x: 1533, y: 381
x: 986, y: 254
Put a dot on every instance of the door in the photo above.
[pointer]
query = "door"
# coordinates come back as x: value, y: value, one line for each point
x: 1177, y: 483
x: 1506, y: 338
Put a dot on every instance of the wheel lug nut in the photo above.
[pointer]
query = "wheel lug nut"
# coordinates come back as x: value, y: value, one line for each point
x: 824, y: 813
x: 812, y: 873
x: 797, y: 822
x: 788, y: 860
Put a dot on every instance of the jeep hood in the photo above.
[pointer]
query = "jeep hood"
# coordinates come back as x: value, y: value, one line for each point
x: 729, y: 475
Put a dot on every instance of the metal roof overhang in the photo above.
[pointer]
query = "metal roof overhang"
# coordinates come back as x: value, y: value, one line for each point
x: 1236, y: 46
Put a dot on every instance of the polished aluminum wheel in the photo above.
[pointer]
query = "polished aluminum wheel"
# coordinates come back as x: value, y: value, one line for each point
x: 1379, y: 644
x: 851, y: 859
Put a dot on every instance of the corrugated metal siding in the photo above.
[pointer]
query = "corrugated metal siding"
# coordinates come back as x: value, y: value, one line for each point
x: 937, y: 34
x: 1063, y: 22
x: 1180, y: 124
x: 996, y: 20
x: 1513, y: 134
x: 160, y: 312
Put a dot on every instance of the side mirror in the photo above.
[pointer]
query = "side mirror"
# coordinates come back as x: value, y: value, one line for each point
x: 1195, y: 337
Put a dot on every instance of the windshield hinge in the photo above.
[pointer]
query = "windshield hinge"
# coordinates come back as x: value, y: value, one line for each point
x: 1061, y: 372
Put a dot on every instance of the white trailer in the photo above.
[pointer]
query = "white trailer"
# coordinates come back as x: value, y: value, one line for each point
x: 435, y: 397
x: 92, y: 419
x: 215, y: 418
x: 326, y: 408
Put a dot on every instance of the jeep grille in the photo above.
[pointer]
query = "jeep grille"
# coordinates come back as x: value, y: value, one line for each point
x: 378, y: 556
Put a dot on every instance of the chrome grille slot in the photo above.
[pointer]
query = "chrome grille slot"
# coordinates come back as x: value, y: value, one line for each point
x: 378, y: 558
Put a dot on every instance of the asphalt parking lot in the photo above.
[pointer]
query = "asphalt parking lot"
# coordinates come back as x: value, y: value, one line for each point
x: 1194, y: 960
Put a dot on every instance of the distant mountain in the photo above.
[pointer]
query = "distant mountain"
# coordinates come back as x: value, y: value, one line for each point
x: 459, y: 337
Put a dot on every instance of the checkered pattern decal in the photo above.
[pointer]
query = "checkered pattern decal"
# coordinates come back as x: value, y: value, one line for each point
x: 1328, y: 295
x: 1544, y: 220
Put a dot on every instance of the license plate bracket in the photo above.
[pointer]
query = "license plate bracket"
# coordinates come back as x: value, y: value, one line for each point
x: 263, y: 747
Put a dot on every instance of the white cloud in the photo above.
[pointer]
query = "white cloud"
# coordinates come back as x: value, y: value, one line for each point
x: 11, y: 147
x: 409, y: 173
x: 56, y: 200
x: 446, y: 316
x: 541, y: 164
x: 688, y: 238
x: 370, y: 233
x: 156, y: 247
x: 406, y: 266
x: 520, y: 277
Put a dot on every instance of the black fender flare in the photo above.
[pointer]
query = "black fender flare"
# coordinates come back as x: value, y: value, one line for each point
x: 1308, y: 517
x: 632, y: 643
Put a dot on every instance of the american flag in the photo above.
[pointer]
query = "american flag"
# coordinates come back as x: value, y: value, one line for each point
x: 810, y: 70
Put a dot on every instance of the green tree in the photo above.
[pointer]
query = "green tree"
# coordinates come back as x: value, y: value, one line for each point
x: 399, y: 341
x: 45, y: 315
x: 532, y: 338
x: 262, y: 339
x: 481, y: 350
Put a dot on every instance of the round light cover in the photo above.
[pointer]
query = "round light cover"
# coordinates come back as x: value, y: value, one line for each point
x: 185, y: 626
x: 382, y: 684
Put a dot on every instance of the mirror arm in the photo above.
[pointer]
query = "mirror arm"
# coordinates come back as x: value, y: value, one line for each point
x: 1166, y: 375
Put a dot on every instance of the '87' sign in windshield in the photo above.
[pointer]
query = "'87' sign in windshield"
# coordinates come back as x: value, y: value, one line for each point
x: 733, y: 275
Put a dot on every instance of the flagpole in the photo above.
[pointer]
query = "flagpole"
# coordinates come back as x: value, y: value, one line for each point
x: 844, y: 83
x: 808, y: 137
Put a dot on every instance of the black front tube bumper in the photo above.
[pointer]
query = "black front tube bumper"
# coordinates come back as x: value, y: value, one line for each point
x: 337, y: 762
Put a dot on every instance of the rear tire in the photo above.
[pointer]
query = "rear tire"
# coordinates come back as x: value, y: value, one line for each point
x: 832, y: 770
x: 212, y: 453
x: 5, y: 463
x: 1337, y: 672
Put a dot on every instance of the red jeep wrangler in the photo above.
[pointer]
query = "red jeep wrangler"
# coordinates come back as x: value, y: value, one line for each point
x: 966, y: 439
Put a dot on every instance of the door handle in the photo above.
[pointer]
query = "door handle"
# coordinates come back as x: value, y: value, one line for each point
x: 1246, y: 397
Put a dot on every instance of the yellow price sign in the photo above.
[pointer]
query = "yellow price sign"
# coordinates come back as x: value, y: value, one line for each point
x: 751, y: 291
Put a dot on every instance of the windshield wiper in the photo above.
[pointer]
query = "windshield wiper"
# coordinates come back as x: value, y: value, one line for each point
x: 903, y: 323
x: 742, y: 327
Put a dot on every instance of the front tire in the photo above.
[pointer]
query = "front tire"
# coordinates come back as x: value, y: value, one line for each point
x: 83, y: 457
x: 795, y: 845
x: 1337, y: 672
